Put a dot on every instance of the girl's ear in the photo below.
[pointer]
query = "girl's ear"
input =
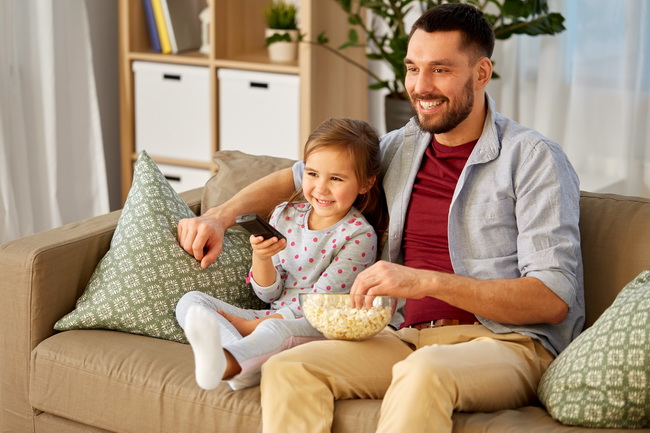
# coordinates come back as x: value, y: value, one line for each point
x: 369, y: 184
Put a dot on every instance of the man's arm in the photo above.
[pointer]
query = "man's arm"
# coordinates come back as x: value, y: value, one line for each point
x: 516, y: 301
x: 203, y: 236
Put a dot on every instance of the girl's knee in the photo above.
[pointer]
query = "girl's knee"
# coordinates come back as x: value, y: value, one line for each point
x: 190, y: 298
x: 186, y: 301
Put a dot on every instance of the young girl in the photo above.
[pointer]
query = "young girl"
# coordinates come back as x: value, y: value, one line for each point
x: 329, y: 241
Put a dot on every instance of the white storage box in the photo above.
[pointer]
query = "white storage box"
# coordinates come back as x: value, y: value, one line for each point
x: 184, y: 178
x: 258, y: 113
x: 172, y: 111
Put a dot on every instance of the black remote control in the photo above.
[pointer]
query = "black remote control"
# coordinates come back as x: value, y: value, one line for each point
x: 257, y: 226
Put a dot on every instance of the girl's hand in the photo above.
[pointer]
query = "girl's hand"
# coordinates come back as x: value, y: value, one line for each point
x: 245, y: 326
x: 265, y: 249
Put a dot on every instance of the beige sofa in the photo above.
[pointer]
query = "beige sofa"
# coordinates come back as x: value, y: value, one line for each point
x: 97, y: 380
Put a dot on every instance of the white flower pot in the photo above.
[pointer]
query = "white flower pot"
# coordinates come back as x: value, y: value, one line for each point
x: 283, y: 51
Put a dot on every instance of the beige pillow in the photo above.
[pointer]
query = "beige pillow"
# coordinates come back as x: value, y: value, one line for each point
x: 235, y: 171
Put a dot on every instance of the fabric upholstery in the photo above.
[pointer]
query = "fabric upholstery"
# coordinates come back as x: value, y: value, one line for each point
x: 235, y: 170
x: 614, y: 230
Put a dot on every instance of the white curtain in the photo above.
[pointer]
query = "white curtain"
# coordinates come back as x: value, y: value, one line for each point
x: 587, y: 88
x: 52, y: 169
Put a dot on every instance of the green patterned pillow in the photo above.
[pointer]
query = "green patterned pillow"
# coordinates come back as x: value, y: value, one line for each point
x: 137, y: 284
x: 603, y: 378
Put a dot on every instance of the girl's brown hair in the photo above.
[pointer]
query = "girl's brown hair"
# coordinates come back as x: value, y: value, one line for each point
x: 362, y: 143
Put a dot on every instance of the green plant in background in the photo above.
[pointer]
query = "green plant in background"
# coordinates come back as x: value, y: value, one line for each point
x: 280, y: 15
x: 386, y: 35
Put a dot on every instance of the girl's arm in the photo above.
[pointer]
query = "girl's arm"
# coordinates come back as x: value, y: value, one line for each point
x: 265, y: 278
x: 262, y: 269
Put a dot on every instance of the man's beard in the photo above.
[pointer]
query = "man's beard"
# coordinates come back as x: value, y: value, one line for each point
x: 452, y: 118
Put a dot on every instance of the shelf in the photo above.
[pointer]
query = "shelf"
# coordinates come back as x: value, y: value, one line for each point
x: 328, y: 86
x: 179, y: 162
x: 196, y: 59
x: 257, y: 62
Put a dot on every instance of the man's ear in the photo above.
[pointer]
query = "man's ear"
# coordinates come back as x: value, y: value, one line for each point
x: 371, y: 182
x: 483, y: 72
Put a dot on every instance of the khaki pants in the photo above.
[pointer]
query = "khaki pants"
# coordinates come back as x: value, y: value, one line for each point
x: 422, y: 377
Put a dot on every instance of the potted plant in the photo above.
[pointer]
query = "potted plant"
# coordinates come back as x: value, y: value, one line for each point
x: 385, y: 35
x: 282, y: 31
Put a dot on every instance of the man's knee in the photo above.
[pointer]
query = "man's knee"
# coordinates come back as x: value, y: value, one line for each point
x: 428, y: 364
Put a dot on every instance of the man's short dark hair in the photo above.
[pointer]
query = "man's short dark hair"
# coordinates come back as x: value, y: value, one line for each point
x: 466, y: 18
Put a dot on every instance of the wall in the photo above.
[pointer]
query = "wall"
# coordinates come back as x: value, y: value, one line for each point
x: 102, y: 18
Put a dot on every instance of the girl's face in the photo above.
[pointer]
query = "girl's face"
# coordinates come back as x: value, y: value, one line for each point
x: 330, y: 185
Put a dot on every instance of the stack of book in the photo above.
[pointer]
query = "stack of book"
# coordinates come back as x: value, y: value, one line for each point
x: 173, y: 25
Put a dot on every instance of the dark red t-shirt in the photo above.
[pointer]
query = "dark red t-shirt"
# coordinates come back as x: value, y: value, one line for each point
x: 425, y: 243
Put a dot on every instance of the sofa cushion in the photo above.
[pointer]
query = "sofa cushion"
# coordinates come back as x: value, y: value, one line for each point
x: 235, y: 170
x: 130, y: 383
x: 614, y: 231
x: 137, y: 284
x: 603, y: 378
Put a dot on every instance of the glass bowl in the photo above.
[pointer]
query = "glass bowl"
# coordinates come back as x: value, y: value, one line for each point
x: 347, y: 317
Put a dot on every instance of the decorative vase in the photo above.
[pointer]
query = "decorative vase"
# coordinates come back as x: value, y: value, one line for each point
x: 205, y: 18
x: 397, y: 112
x: 283, y: 51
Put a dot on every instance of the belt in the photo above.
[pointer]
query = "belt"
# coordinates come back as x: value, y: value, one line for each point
x: 442, y: 322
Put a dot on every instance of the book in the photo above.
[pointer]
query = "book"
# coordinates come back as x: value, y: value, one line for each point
x: 168, y: 25
x: 151, y: 25
x: 165, y: 45
x: 183, y: 24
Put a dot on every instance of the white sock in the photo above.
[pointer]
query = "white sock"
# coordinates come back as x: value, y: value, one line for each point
x: 202, y: 331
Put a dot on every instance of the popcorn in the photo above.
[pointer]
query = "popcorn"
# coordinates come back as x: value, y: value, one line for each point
x: 337, y: 319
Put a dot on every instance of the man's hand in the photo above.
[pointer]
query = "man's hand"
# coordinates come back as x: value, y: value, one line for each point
x: 202, y: 237
x: 390, y: 279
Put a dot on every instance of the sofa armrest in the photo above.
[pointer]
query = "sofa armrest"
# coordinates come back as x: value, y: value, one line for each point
x: 42, y: 276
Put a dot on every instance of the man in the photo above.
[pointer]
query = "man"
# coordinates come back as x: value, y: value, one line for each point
x: 483, y: 243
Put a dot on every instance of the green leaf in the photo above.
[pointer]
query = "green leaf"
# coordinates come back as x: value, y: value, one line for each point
x: 322, y: 38
x: 281, y: 15
x: 354, y: 19
x: 378, y: 85
x: 345, y: 4
x: 543, y: 25
x: 277, y: 37
x: 353, y: 36
x: 516, y: 8
x: 523, y: 8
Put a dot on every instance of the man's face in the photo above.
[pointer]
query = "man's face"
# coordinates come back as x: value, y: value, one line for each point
x: 439, y: 80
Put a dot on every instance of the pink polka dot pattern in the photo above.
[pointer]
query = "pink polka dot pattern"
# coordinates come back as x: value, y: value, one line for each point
x: 324, y: 261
